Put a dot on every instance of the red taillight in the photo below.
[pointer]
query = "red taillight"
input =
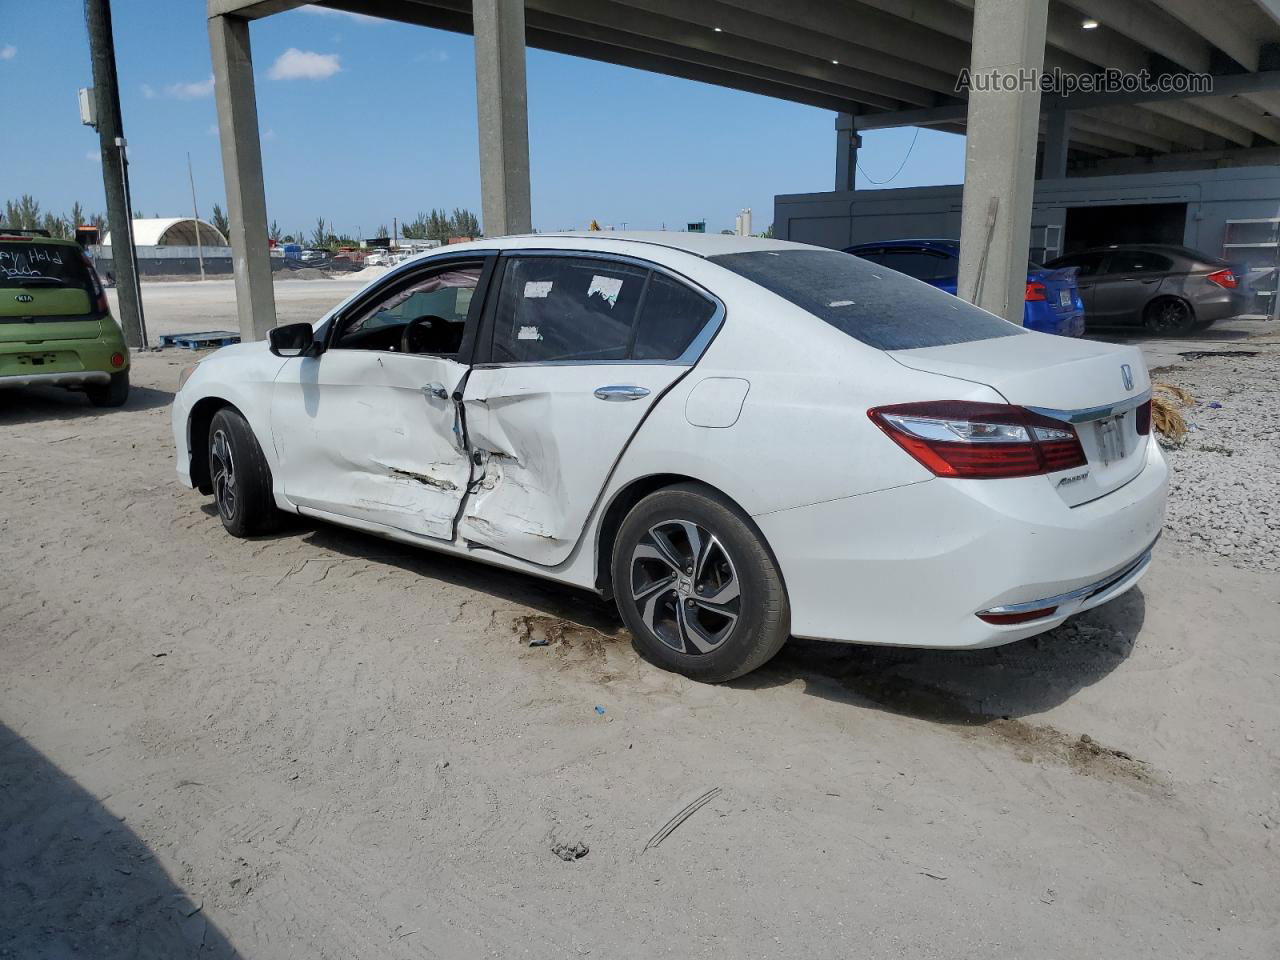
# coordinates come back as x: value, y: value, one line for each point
x: 1024, y: 616
x: 1143, y: 421
x: 1035, y: 291
x: 117, y: 359
x: 1224, y: 278
x: 962, y: 439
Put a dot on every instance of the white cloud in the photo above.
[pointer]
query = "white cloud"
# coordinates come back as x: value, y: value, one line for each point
x: 8, y: 52
x: 94, y: 155
x: 269, y: 134
x: 149, y: 91
x: 190, y: 91
x: 330, y: 12
x: 213, y: 130
x: 295, y: 64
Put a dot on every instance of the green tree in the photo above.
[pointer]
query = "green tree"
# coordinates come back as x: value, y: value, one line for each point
x: 219, y: 220
x: 274, y: 233
x: 767, y: 234
x: 464, y: 223
x: 76, y: 216
x: 24, y: 214
x: 320, y: 236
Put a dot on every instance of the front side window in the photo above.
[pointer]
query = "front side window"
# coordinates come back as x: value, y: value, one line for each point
x: 566, y: 309
x: 422, y: 315
x: 880, y: 307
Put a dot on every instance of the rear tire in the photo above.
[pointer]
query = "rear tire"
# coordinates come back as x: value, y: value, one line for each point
x: 113, y: 394
x: 240, y: 476
x: 1169, y: 317
x: 697, y: 585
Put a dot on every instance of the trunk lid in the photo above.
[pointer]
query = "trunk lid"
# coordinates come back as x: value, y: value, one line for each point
x: 47, y: 313
x: 1060, y: 290
x: 1080, y: 381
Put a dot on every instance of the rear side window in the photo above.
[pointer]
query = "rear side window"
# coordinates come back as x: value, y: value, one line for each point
x: 921, y: 264
x: 670, y: 318
x: 1134, y: 262
x: 42, y: 265
x: 562, y: 308
x: 880, y: 307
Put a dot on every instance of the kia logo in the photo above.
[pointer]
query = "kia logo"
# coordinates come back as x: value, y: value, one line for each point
x: 1126, y: 374
x: 24, y: 298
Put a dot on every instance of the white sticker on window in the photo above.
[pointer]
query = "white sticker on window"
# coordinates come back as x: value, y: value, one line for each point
x: 537, y: 290
x: 840, y: 303
x: 607, y: 288
x: 529, y: 333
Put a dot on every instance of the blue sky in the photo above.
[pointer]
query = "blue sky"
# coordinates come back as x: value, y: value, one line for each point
x: 364, y: 120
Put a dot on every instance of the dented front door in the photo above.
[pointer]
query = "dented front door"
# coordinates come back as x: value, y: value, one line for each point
x: 374, y: 436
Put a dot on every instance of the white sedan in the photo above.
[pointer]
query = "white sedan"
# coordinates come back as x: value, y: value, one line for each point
x: 737, y: 439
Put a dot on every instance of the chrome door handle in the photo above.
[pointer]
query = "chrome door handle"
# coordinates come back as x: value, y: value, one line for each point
x: 436, y: 390
x: 620, y: 392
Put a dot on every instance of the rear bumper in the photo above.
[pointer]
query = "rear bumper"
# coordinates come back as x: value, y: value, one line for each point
x: 1044, y: 318
x: 914, y: 565
x: 1220, y: 306
x: 73, y: 379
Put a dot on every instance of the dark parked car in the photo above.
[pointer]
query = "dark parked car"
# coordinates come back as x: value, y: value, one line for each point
x: 1052, y: 302
x: 1166, y: 288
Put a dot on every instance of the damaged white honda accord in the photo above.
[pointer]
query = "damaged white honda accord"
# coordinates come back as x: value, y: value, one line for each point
x: 737, y: 439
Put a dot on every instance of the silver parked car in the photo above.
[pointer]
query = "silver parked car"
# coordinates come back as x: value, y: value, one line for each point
x: 1166, y: 288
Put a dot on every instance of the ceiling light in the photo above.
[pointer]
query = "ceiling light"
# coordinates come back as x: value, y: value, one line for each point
x: 836, y: 62
x: 1089, y: 25
x: 717, y: 30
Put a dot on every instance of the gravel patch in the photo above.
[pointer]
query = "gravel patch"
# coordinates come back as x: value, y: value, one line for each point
x: 1224, y: 493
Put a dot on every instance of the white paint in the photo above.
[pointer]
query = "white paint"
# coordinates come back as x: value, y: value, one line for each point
x: 538, y: 289
x: 872, y: 546
x: 528, y: 333
x: 606, y: 288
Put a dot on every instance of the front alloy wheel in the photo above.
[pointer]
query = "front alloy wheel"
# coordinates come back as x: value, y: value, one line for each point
x: 684, y: 583
x: 222, y: 470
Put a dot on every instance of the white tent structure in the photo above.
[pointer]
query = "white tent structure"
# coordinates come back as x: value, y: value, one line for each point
x: 173, y: 232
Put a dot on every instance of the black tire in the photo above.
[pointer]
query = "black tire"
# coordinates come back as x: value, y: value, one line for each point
x: 113, y: 394
x: 720, y: 641
x: 240, y: 477
x: 1169, y: 316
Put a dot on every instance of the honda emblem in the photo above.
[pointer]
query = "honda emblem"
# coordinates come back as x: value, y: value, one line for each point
x: 1126, y: 374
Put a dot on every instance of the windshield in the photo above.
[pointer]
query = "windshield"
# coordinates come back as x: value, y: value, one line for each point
x: 38, y: 264
x: 871, y: 303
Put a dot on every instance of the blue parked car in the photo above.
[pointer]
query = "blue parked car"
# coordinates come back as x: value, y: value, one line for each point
x: 1053, y: 301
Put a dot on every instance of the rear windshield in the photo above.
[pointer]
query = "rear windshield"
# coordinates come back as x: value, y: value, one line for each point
x: 881, y: 307
x: 42, y: 265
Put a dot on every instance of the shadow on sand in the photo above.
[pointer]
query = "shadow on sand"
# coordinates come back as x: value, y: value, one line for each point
x: 76, y: 882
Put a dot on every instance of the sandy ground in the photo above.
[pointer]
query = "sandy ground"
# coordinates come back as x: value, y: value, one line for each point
x: 323, y: 745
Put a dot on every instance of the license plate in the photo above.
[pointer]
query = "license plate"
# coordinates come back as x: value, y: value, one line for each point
x: 1110, y: 438
x: 1064, y: 297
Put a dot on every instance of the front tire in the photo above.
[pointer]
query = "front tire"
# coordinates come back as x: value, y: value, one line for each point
x: 113, y: 394
x: 240, y: 476
x: 697, y: 586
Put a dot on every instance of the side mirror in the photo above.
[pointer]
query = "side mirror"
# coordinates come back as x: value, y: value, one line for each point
x: 292, y: 340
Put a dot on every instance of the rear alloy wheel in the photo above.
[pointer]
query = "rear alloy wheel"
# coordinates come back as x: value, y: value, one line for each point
x: 697, y: 586
x: 1170, y: 317
x: 240, y: 477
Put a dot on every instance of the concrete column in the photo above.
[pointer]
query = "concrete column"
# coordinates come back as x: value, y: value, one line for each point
x: 503, y: 115
x: 242, y: 170
x: 847, y: 144
x: 1000, y: 156
x: 1057, y: 136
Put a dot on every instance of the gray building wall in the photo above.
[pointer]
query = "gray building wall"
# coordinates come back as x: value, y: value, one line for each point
x: 1212, y: 197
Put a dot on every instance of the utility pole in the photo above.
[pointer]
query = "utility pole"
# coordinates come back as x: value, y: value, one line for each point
x: 115, y: 174
x: 195, y: 213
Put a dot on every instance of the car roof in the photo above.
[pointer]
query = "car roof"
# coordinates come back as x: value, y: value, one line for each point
x: 698, y: 244
x: 1171, y: 249
x: 935, y: 243
x: 6, y: 237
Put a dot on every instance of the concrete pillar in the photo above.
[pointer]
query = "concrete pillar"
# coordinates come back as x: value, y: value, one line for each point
x: 847, y: 144
x: 1057, y: 136
x: 503, y: 115
x: 242, y: 170
x: 1000, y: 156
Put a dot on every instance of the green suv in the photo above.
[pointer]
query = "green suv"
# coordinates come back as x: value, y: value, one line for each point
x: 55, y: 324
